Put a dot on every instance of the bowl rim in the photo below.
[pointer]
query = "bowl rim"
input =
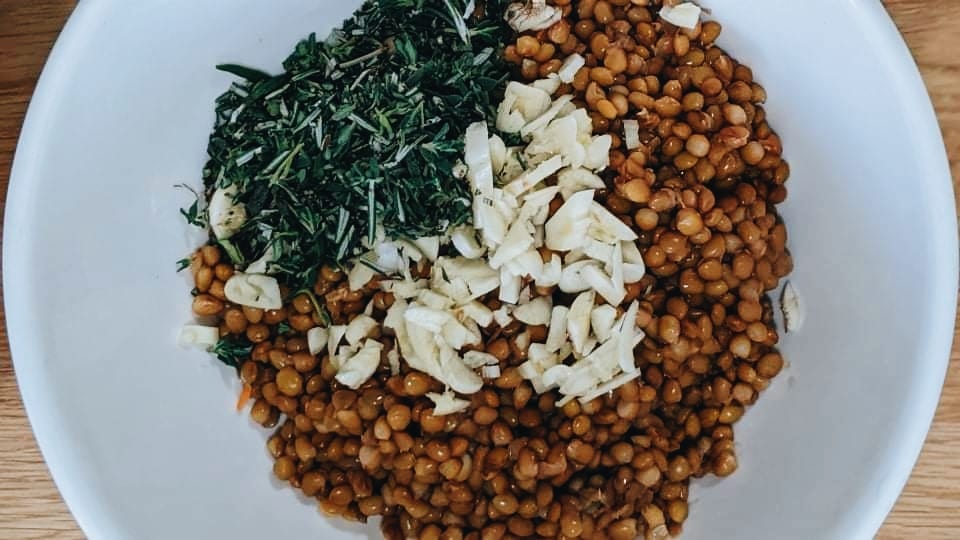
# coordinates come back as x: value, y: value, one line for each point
x: 917, y: 416
x: 913, y: 424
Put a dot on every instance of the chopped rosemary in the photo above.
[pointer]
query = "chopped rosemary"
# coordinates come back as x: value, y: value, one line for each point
x: 360, y: 133
x: 232, y: 350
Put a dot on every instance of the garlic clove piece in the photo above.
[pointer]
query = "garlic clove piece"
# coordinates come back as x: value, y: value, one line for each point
x: 253, y: 290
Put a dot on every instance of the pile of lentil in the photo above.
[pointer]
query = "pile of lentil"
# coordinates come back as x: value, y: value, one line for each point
x: 700, y: 191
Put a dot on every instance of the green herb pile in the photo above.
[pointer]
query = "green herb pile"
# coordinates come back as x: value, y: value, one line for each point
x: 363, y: 131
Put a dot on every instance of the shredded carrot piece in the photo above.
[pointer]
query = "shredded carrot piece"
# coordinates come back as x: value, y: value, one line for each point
x: 244, y: 396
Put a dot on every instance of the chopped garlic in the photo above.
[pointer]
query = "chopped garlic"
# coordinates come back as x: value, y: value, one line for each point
x: 429, y: 246
x: 427, y: 318
x: 343, y: 353
x: 456, y: 374
x: 607, y: 227
x: 447, y: 403
x: 490, y: 223
x: 490, y: 372
x: 534, y: 176
x: 551, y: 272
x: 571, y: 180
x: 558, y: 138
x: 610, y: 386
x: 578, y: 319
x: 387, y: 255
x: 317, y: 338
x: 588, y: 348
x: 571, y: 65
x: 480, y: 175
x: 197, y: 335
x: 536, y: 206
x: 598, y: 153
x: 549, y: 85
x: 528, y: 370
x: 557, y: 331
x: 464, y: 239
x: 685, y: 15
x: 253, y: 290
x: 476, y: 359
x: 615, y: 269
x: 225, y: 214
x: 595, y: 249
x: 604, y: 361
x: 567, y: 228
x: 359, y: 275
x: 521, y: 104
x: 791, y: 307
x: 541, y: 357
x: 527, y: 264
x: 403, y: 289
x: 631, y: 253
x: 359, y: 328
x: 517, y: 240
x: 502, y: 316
x: 611, y: 290
x: 513, y: 165
x: 262, y: 265
x: 357, y: 369
x: 480, y: 313
x: 334, y: 336
x: 574, y: 255
x: 434, y: 300
x: 629, y: 337
x: 554, y: 376
x: 430, y: 335
x: 584, y: 125
x: 544, y: 119
x: 463, y: 279
x: 510, y: 285
x: 534, y: 15
x: 393, y: 359
x: 579, y: 381
x: 459, y: 335
x: 498, y: 153
x: 631, y: 134
x: 597, y: 255
x: 423, y: 352
x: 536, y: 312
x: 477, y: 157
x: 602, y: 319
x: 572, y: 279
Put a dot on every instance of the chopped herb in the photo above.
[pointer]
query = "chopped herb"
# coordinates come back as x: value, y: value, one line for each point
x: 244, y: 72
x: 232, y: 252
x: 183, y: 264
x: 360, y: 134
x: 283, y: 328
x: 232, y: 351
x: 195, y: 214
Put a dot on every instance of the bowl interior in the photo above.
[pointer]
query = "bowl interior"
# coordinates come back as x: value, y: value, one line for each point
x: 141, y: 435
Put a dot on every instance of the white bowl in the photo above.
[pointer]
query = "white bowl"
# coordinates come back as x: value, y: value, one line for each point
x: 141, y: 436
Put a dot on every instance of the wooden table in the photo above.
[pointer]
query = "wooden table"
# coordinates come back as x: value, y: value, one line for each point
x: 30, y: 506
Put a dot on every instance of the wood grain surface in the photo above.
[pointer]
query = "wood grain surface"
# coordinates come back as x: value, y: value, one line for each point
x: 30, y: 506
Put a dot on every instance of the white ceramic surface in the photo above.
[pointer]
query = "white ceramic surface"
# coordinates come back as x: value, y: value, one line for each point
x: 141, y: 436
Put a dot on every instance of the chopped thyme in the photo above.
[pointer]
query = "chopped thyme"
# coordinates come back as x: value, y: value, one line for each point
x: 232, y: 350
x: 360, y: 133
